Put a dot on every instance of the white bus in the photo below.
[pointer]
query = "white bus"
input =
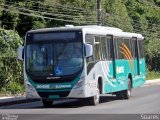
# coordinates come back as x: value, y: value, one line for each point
x: 82, y: 62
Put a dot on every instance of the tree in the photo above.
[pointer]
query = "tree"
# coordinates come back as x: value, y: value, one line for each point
x: 11, y: 70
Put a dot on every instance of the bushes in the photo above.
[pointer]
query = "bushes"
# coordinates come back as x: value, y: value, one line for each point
x: 11, y: 79
x: 152, y: 51
x: 152, y: 75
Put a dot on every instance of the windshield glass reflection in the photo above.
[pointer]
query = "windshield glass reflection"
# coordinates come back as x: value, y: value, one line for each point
x: 54, y: 59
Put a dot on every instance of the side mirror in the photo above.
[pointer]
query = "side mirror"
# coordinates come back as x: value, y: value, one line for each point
x: 20, y: 53
x: 88, y: 50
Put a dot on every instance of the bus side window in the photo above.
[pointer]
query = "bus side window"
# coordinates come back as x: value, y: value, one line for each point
x: 89, y: 40
x: 104, y: 50
x: 116, y: 47
x: 110, y: 47
x: 140, y: 47
x: 119, y: 47
x: 97, y: 55
x: 133, y: 48
x: 128, y: 45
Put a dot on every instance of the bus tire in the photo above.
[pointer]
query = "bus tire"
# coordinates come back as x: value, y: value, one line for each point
x: 95, y: 99
x: 125, y: 94
x: 47, y: 103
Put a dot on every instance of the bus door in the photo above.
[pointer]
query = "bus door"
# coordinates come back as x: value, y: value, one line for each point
x: 111, y: 59
x: 136, y: 56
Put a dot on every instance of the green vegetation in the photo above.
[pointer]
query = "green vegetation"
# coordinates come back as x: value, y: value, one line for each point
x: 11, y: 79
x: 19, y: 16
x: 151, y: 75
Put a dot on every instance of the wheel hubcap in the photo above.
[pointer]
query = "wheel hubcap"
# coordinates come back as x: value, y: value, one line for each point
x: 129, y: 88
x: 129, y: 92
x: 97, y: 96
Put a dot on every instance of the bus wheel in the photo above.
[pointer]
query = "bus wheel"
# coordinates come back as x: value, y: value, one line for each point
x: 47, y: 103
x: 95, y: 99
x: 125, y: 94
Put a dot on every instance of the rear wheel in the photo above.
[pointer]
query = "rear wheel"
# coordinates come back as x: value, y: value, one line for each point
x: 125, y: 94
x: 47, y: 103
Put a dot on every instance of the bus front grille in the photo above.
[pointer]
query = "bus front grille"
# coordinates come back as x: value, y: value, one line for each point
x: 61, y: 94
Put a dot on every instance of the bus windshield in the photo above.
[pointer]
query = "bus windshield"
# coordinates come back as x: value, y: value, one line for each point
x: 54, y: 59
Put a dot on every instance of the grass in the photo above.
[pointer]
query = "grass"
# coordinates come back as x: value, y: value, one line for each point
x: 12, y: 89
x: 151, y: 75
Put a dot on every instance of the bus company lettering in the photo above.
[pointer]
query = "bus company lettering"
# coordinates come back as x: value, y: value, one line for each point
x: 120, y: 69
x: 42, y: 86
x: 52, y: 87
x: 62, y: 86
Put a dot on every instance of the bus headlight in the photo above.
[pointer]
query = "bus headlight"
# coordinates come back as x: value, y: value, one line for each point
x: 30, y: 87
x: 80, y: 83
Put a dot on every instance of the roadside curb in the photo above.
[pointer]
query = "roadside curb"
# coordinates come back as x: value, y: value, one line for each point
x: 5, y: 101
x: 151, y: 82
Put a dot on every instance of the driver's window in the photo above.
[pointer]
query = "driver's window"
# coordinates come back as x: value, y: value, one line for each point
x: 89, y: 39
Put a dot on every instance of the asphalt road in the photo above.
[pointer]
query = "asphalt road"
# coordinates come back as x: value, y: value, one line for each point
x: 144, y: 100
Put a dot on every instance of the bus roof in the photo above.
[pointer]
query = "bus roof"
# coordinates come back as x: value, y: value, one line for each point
x: 71, y: 27
x: 92, y: 29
